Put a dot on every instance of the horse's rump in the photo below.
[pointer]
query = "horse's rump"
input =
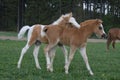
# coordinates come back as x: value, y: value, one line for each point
x: 114, y: 33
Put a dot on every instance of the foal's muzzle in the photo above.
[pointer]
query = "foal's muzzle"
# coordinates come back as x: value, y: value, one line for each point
x: 104, y: 36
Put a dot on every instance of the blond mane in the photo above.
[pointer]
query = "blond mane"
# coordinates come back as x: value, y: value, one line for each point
x: 58, y: 21
x: 61, y: 18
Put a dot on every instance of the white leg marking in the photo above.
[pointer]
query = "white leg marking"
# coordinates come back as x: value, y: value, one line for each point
x: 35, y: 54
x: 22, y: 54
x: 85, y: 58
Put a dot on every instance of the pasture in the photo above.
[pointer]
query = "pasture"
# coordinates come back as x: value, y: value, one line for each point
x: 105, y: 65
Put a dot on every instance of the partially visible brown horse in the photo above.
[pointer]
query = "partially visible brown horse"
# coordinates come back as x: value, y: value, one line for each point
x: 113, y: 35
x: 75, y: 38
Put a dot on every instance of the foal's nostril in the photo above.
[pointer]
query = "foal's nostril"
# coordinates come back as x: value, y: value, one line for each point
x: 104, y: 36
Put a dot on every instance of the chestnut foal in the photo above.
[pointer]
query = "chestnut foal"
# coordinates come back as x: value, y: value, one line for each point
x: 34, y: 37
x: 75, y: 38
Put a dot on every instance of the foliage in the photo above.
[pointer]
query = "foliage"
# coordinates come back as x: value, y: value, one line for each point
x: 105, y: 65
x: 8, y: 15
x: 47, y: 11
x: 110, y: 21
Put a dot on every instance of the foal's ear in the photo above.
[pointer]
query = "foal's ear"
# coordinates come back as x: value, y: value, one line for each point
x: 99, y: 21
x: 67, y: 16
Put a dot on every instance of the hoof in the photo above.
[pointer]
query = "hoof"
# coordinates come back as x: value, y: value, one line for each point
x: 18, y: 66
x: 66, y: 72
x: 91, y: 73
x: 66, y: 69
x: 38, y: 67
x: 49, y: 69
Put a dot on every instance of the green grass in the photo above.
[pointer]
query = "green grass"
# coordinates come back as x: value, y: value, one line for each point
x: 8, y: 33
x: 105, y: 65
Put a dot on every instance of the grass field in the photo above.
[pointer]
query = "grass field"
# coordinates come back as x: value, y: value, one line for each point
x: 105, y: 65
x: 3, y: 33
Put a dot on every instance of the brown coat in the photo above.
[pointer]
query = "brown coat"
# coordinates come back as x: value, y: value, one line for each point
x: 113, y: 35
x: 73, y: 36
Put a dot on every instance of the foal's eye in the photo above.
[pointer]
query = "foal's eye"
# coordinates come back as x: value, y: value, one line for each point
x: 100, y: 28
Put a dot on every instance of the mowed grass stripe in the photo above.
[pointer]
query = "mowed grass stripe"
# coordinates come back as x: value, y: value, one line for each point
x: 105, y: 65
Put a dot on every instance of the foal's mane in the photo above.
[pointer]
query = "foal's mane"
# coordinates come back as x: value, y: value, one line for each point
x: 61, y: 18
x: 58, y: 20
x: 90, y: 22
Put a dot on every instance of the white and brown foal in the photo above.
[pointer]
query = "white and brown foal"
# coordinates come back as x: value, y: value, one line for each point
x: 34, y: 37
x: 75, y: 38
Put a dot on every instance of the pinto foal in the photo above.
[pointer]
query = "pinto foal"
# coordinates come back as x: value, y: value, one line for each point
x: 113, y: 35
x: 34, y: 37
x: 75, y: 38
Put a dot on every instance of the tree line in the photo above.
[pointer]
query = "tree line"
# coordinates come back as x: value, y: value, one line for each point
x: 16, y: 13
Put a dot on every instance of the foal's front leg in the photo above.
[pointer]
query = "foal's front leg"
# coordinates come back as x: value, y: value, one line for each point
x: 85, y: 58
x: 65, y: 53
x: 71, y: 55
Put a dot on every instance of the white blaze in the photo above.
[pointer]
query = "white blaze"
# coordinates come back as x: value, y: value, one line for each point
x: 102, y: 28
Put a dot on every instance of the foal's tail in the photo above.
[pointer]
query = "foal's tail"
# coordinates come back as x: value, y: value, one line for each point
x: 22, y: 31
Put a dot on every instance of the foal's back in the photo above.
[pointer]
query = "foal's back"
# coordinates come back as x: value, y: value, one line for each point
x: 114, y: 33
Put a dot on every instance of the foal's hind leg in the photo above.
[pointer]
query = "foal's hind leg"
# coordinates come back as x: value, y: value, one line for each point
x: 22, y: 54
x: 113, y: 44
x: 52, y: 56
x: 35, y: 54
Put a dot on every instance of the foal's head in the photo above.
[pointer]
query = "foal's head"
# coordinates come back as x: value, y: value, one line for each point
x: 96, y: 26
x: 99, y: 30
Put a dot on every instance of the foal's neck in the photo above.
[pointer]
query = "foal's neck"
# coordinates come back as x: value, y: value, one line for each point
x: 62, y: 24
x: 87, y: 31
